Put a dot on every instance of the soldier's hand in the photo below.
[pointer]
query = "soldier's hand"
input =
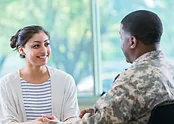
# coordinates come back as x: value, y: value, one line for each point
x: 83, y: 112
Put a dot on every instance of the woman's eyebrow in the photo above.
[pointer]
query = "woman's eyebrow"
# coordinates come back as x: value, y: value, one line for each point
x: 40, y: 41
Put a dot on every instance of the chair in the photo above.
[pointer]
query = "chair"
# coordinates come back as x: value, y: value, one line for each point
x: 163, y: 113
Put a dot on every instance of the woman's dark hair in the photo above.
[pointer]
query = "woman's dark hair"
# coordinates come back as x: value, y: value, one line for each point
x: 23, y: 35
x: 145, y: 25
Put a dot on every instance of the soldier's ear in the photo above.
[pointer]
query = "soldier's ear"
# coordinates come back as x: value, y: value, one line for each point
x: 133, y: 42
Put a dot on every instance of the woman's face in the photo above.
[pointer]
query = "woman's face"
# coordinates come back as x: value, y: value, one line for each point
x: 37, y: 50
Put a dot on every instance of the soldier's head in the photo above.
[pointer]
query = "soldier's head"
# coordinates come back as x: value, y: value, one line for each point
x: 140, y: 32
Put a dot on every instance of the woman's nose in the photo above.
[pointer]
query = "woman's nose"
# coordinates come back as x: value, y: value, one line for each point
x: 44, y: 49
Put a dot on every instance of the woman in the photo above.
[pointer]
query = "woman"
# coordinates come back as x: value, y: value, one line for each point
x: 36, y: 92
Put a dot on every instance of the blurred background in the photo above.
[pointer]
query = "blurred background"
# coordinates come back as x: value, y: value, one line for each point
x: 84, y: 37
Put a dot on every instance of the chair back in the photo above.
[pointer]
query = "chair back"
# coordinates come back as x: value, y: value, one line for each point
x: 163, y: 113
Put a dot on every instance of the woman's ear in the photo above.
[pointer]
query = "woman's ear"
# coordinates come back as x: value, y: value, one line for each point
x: 21, y: 50
x: 133, y: 42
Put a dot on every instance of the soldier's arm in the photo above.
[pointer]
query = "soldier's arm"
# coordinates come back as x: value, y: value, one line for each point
x: 115, y: 106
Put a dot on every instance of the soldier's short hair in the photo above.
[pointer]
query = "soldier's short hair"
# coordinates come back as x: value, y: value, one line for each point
x: 145, y: 25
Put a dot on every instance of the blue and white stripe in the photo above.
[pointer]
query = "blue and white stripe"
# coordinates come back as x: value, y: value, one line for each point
x: 36, y: 98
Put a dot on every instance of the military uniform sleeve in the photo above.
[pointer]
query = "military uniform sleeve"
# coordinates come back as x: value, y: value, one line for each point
x: 116, y: 105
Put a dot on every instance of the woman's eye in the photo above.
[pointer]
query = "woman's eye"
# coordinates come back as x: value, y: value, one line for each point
x: 47, y: 44
x: 36, y: 46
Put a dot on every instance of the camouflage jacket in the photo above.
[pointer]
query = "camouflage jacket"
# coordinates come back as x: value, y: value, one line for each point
x: 148, y: 82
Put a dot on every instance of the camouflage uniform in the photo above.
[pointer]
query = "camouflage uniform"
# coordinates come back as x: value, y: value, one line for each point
x: 149, y: 81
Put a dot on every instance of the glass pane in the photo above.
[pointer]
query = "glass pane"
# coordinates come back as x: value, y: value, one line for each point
x: 69, y: 24
x: 111, y: 13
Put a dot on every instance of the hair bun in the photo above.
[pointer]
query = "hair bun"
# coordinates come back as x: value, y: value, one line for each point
x: 13, y: 40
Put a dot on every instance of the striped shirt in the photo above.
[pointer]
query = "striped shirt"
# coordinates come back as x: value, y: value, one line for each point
x: 36, y: 98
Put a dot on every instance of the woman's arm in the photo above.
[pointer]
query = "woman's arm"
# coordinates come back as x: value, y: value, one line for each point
x: 8, y: 109
x: 7, y: 106
x: 32, y: 122
x: 37, y: 121
x: 70, y: 105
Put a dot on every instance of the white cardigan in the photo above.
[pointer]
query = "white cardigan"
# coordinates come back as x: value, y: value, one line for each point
x: 64, y: 96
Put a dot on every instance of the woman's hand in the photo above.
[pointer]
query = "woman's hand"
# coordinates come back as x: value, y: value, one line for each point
x: 37, y: 121
x: 49, y: 118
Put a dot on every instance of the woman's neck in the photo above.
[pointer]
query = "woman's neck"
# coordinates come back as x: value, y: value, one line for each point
x: 34, y: 70
x: 35, y: 75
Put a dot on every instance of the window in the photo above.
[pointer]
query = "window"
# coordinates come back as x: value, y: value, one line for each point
x: 111, y: 13
x: 84, y: 36
x: 69, y: 24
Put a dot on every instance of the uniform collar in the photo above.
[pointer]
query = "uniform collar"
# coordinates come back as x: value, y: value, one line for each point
x: 148, y: 56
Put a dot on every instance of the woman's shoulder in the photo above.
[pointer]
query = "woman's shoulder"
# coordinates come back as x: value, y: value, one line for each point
x: 61, y: 76
x: 58, y: 72
x: 10, y: 77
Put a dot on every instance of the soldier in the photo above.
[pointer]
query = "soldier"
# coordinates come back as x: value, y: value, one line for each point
x: 148, y: 82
